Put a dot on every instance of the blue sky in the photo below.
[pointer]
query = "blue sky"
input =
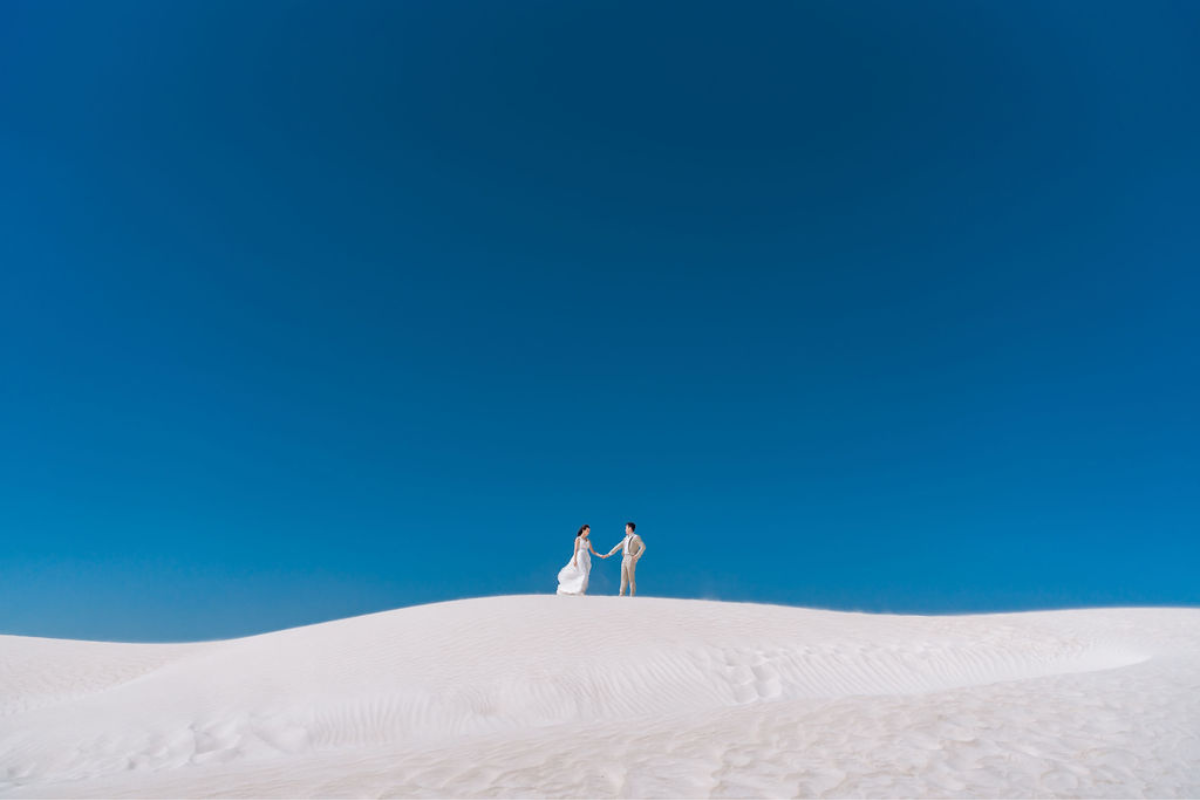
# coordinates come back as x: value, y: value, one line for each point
x: 310, y: 310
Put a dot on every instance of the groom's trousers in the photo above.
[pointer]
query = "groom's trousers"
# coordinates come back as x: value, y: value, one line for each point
x: 628, y: 566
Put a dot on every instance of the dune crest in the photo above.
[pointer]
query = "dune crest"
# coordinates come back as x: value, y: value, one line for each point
x: 600, y: 696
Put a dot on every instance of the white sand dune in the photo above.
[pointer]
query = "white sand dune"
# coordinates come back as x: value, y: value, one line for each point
x: 598, y: 697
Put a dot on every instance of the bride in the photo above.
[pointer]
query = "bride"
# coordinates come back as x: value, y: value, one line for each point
x: 573, y: 578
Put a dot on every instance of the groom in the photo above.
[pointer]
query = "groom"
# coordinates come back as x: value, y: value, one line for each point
x: 633, y: 549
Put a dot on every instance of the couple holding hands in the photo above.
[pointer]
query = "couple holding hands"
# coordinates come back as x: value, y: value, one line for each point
x: 573, y: 578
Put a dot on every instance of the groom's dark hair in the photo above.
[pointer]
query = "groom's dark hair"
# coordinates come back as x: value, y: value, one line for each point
x: 631, y: 526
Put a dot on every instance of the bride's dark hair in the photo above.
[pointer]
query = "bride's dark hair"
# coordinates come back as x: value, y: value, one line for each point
x: 582, y: 528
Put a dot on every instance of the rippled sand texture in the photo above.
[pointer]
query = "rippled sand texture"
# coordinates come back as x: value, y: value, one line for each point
x: 536, y: 696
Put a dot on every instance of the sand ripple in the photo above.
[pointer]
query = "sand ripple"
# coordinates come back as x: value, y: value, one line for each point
x: 498, y: 697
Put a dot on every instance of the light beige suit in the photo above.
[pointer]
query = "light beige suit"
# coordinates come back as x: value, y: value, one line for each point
x: 634, y: 548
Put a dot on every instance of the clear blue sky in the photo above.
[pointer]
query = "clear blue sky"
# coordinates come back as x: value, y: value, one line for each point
x: 315, y: 309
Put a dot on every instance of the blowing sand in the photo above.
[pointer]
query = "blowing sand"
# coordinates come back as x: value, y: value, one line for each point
x: 536, y: 696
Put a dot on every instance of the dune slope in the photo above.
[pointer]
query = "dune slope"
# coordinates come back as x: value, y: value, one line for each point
x: 600, y: 697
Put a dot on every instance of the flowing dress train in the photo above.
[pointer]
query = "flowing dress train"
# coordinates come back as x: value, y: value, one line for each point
x: 572, y: 579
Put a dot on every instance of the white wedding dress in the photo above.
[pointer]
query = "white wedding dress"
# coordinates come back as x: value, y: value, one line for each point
x: 572, y: 579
